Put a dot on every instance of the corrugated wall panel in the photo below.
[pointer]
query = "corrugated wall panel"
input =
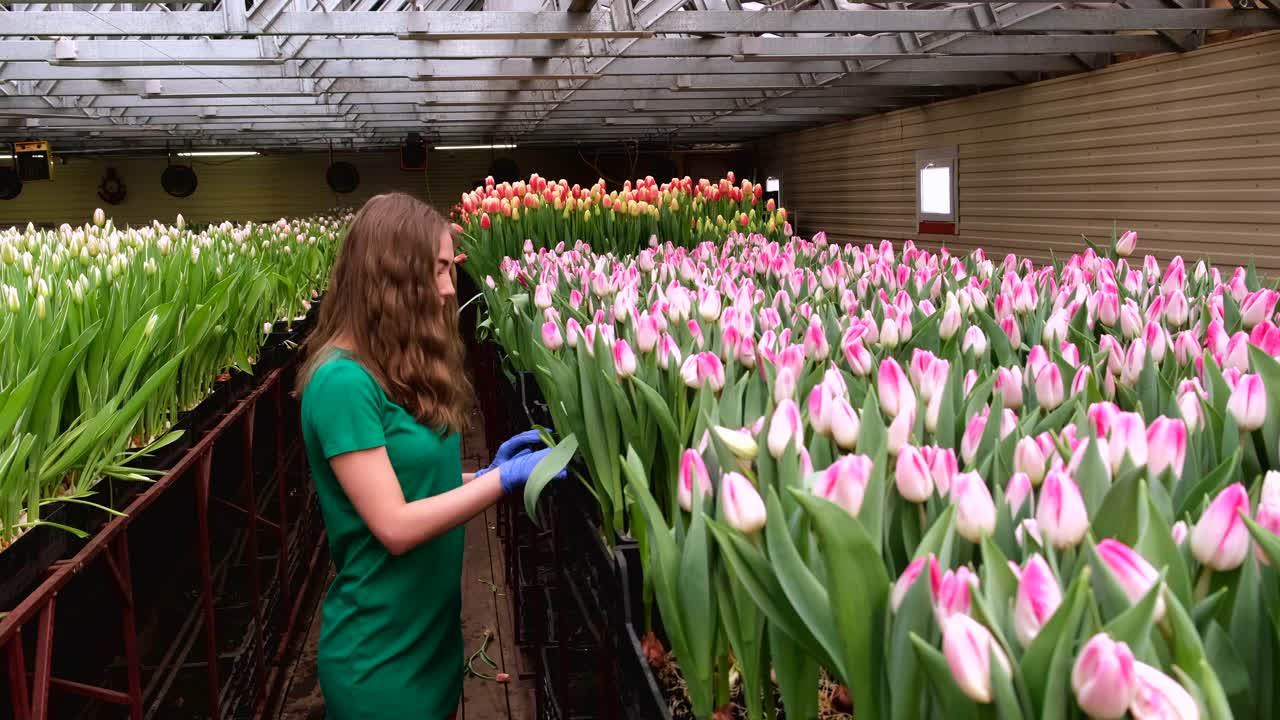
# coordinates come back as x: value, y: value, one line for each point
x: 1183, y: 148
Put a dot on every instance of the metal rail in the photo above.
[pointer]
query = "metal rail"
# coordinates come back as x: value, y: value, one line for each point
x: 30, y: 689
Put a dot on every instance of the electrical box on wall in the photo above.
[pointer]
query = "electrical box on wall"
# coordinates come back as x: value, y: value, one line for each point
x: 34, y: 160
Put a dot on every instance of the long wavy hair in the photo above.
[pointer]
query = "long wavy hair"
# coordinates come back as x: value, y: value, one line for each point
x: 383, y: 301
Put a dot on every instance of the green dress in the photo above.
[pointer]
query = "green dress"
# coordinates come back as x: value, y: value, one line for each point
x: 391, y: 634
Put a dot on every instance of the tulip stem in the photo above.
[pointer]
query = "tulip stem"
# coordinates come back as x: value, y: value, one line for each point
x: 924, y: 520
x: 1202, y: 585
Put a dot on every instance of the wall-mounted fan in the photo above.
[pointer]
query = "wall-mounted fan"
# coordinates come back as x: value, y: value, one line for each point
x: 179, y: 181
x: 10, y: 183
x: 342, y: 177
x: 112, y: 189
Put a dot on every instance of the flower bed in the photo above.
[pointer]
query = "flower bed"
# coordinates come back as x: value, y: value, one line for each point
x: 118, y: 332
x: 958, y: 486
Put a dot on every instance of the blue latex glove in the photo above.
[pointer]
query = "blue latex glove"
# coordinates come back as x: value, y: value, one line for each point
x: 515, y: 472
x: 517, y: 444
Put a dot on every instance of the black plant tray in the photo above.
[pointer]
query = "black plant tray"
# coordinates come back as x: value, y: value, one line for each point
x: 583, y: 692
x: 638, y: 690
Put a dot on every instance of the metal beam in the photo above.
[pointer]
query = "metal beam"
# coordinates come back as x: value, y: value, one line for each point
x: 93, y: 53
x: 597, y: 24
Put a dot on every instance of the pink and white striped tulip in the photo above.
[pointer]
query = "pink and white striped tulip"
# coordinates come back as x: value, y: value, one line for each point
x: 1258, y: 307
x: 624, y: 360
x: 942, y: 467
x: 1038, y: 598
x: 1131, y: 571
x: 1017, y: 492
x: 1179, y: 532
x: 951, y: 593
x: 1049, y: 389
x: 744, y: 510
x: 1220, y: 540
x: 1104, y: 678
x: 950, y: 323
x: 647, y: 332
x: 1029, y: 459
x: 894, y: 388
x: 786, y: 429
x: 693, y: 473
x: 845, y: 482
x: 1127, y: 439
x: 972, y: 437
x: 975, y: 510
x: 858, y: 358
x: 845, y: 424
x: 1061, y: 513
x: 1008, y: 382
x: 820, y: 403
x: 974, y: 341
x: 912, y: 476
x: 1166, y: 445
x: 1127, y: 243
x: 542, y: 296
x: 1248, y: 403
x: 909, y: 577
x: 968, y: 648
x: 551, y: 336
x: 668, y: 352
x: 900, y: 430
x: 1160, y: 697
x: 784, y: 384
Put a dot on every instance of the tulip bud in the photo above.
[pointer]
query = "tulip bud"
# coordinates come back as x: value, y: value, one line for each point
x: 624, y: 360
x: 968, y: 648
x: 1248, y: 403
x: 942, y: 467
x: 542, y: 296
x: 1127, y: 243
x: 1127, y: 439
x: 99, y: 217
x: 1029, y: 458
x: 1166, y: 445
x: 951, y: 594
x: 950, y: 323
x: 820, y: 402
x: 845, y: 424
x: 1008, y: 382
x: 909, y: 577
x: 1159, y: 697
x: 1049, y: 390
x: 1220, y: 540
x: 551, y: 336
x: 1037, y: 600
x: 744, y: 510
x: 1104, y: 678
x: 912, y: 476
x: 894, y: 389
x: 900, y: 430
x: 845, y: 482
x: 1258, y: 307
x: 974, y: 341
x: 975, y: 510
x: 1189, y: 408
x: 1131, y: 572
x: 693, y: 471
x: 1061, y: 515
x: 1017, y: 492
x: 785, y: 428
x: 972, y: 438
x: 739, y: 442
x: 858, y: 357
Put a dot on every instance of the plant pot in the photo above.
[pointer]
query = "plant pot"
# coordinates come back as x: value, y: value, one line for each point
x: 641, y: 696
x: 581, y: 700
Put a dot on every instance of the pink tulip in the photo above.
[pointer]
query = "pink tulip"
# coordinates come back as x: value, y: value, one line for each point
x: 950, y: 323
x: 693, y: 471
x: 1037, y: 600
x: 1008, y: 383
x: 1220, y: 540
x: 951, y: 593
x: 1160, y: 697
x: 1185, y: 347
x: 909, y: 577
x: 647, y: 332
x: 900, y: 430
x: 624, y: 360
x: 1108, y: 308
x: 975, y: 510
x: 1102, y: 415
x: 1049, y: 390
x: 894, y: 388
x: 1012, y: 330
x: 974, y: 341
x: 912, y: 476
x: 1128, y: 439
x: 542, y: 296
x: 968, y: 648
x: 551, y: 336
x: 1166, y: 445
x: 1061, y: 514
x: 785, y: 428
x: 1080, y: 382
x: 1127, y: 243
x: 1104, y: 678
x: 784, y: 384
x: 942, y: 467
x: 845, y: 424
x: 668, y: 352
x: 820, y: 402
x: 970, y: 380
x: 1268, y: 518
x: 1258, y: 307
x: 1248, y: 403
x: 1130, y: 321
x: 1236, y: 355
x: 845, y: 482
x: 858, y: 358
x: 743, y: 508
x: 1017, y: 492
x: 972, y: 438
x: 1029, y: 458
x: 1036, y: 360
x: 1131, y: 571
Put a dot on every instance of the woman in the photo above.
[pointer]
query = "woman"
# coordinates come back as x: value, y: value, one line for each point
x: 384, y: 398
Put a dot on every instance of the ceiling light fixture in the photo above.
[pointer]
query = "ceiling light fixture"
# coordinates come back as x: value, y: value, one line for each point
x: 474, y: 147
x: 220, y: 153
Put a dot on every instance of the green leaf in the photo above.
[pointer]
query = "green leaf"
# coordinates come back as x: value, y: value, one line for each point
x: 1046, y: 663
x: 550, y: 466
x: 1268, y: 541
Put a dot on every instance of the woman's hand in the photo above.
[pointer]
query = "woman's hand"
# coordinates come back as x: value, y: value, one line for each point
x: 526, y: 441
x: 515, y: 472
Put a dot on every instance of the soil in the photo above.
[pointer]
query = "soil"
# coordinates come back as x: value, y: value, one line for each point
x: 833, y: 698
